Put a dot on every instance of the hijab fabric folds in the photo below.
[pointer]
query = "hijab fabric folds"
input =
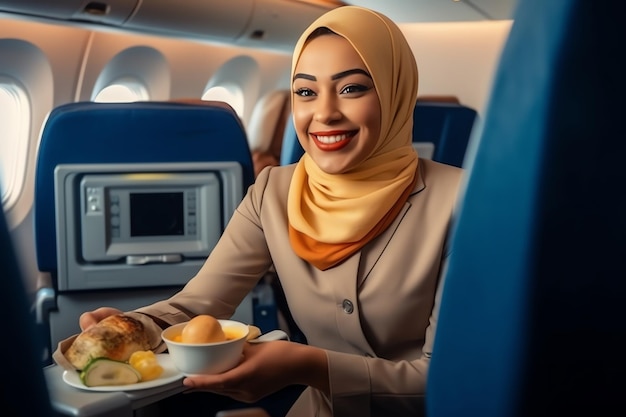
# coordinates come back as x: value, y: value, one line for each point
x: 331, y: 216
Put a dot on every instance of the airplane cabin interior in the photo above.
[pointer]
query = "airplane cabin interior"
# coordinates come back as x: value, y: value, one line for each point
x: 531, y: 318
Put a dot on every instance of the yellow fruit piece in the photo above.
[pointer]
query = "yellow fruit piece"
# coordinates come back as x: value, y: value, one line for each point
x: 146, y: 363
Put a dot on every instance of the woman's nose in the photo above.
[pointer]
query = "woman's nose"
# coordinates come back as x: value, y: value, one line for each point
x: 327, y: 110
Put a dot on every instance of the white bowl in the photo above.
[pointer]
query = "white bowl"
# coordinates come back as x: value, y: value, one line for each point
x: 206, y: 358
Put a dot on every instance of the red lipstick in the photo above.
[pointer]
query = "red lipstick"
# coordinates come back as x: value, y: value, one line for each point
x: 332, y: 140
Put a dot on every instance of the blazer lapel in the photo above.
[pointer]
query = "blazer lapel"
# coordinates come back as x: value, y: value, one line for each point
x: 375, y: 248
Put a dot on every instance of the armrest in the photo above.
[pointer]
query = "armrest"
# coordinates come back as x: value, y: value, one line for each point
x: 45, y: 297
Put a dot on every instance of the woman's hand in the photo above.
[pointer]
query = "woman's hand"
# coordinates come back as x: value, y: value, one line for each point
x: 90, y: 318
x: 266, y: 368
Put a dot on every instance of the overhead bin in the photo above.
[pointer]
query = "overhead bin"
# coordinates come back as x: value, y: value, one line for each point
x: 281, y: 22
x: 251, y: 23
x: 214, y: 19
x: 111, y: 12
x: 274, y: 24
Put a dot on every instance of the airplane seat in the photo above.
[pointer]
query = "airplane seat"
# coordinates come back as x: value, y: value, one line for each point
x: 22, y: 344
x: 291, y: 150
x: 442, y: 129
x: 266, y: 129
x: 181, y: 136
x: 532, y: 310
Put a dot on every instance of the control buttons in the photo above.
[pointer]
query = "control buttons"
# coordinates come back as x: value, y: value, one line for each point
x: 114, y: 213
x: 192, y: 221
x: 94, y: 200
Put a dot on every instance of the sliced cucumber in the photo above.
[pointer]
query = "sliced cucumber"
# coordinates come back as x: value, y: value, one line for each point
x: 105, y: 371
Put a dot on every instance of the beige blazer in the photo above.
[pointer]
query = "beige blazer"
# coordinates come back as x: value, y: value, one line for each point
x: 375, y: 313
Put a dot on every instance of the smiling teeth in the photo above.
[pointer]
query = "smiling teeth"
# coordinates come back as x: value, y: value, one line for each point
x: 332, y: 139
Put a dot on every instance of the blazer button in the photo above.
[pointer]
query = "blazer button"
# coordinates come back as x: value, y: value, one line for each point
x: 348, y: 307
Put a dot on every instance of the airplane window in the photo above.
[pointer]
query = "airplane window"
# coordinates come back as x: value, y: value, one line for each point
x: 122, y: 91
x: 230, y: 94
x: 14, y: 130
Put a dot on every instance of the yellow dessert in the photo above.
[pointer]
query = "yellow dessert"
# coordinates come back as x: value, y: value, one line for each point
x: 203, y: 329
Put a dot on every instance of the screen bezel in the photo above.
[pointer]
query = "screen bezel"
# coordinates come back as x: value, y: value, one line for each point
x: 102, y: 240
x: 77, y: 274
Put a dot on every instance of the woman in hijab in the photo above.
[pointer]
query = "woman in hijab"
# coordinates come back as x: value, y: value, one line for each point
x: 357, y: 231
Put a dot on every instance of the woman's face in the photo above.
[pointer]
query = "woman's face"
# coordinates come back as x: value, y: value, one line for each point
x: 335, y: 106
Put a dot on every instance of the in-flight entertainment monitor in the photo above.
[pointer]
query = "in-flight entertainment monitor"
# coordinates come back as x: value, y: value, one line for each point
x: 137, y: 225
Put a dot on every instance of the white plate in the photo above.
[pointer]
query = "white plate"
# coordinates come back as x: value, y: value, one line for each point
x: 170, y: 374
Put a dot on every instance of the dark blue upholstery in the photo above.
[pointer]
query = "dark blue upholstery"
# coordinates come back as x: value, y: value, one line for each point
x: 291, y: 150
x: 447, y: 125
x: 24, y: 393
x: 533, y: 310
x: 126, y: 133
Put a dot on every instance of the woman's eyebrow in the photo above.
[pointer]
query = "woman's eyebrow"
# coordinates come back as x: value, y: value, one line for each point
x: 350, y: 72
x: 334, y: 77
x: 305, y: 76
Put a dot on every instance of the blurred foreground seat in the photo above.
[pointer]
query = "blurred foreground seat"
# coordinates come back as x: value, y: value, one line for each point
x: 532, y: 315
x: 25, y: 392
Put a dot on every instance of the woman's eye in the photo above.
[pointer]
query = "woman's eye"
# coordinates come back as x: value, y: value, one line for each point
x: 354, y: 88
x: 304, y: 92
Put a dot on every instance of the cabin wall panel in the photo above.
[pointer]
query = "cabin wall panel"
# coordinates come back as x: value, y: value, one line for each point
x: 191, y: 65
x: 457, y: 58
x: 63, y: 48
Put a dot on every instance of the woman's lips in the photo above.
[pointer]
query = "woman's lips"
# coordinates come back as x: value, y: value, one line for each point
x: 332, y: 141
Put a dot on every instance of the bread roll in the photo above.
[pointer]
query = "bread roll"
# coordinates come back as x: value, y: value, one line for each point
x: 115, y: 337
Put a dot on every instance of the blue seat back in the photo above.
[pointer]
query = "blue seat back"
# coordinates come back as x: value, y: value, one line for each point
x: 25, y: 392
x: 533, y: 313
x: 291, y: 150
x: 89, y: 132
x: 448, y: 126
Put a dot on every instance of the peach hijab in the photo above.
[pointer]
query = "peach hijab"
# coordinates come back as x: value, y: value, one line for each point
x: 332, y: 216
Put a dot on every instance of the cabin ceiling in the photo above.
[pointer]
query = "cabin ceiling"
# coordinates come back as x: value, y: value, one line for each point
x: 268, y: 24
x: 403, y: 11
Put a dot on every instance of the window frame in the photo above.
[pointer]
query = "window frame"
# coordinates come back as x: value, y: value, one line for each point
x: 13, y: 185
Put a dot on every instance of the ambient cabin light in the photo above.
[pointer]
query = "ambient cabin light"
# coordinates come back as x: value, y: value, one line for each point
x: 326, y: 3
